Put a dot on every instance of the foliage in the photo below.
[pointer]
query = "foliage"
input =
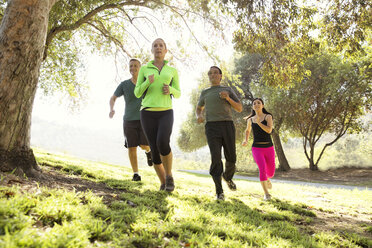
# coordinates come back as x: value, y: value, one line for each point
x: 331, y: 82
x: 346, y: 25
x: 141, y: 216
x: 279, y: 31
x: 330, y: 100
x: 192, y: 135
x: 287, y: 32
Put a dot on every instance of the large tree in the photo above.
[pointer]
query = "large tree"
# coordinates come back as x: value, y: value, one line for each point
x: 33, y: 33
x: 23, y: 33
x: 331, y: 100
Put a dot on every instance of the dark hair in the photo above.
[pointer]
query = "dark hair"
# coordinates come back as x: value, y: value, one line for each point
x: 253, y: 113
x: 213, y: 66
x: 131, y: 60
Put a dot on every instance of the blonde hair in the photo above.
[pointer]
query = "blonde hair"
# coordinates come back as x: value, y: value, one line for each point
x: 161, y: 40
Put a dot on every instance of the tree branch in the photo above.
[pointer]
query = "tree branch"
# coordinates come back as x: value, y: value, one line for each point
x: 342, y: 131
x: 108, y: 35
x: 131, y: 19
x: 304, y: 142
x: 56, y: 30
x: 176, y: 10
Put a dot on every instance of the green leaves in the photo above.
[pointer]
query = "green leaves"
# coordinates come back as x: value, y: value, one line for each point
x: 59, y: 72
x: 286, y: 33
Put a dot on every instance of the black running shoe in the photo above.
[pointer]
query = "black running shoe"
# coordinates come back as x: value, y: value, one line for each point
x: 149, y: 158
x: 136, y: 177
x: 169, y: 184
x: 230, y: 184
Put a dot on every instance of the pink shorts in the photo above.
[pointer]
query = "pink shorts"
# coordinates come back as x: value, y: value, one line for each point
x: 265, y: 160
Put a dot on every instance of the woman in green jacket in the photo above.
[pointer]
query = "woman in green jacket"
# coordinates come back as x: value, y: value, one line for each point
x: 157, y: 83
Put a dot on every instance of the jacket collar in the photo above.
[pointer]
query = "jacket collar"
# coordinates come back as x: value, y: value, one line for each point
x: 151, y: 64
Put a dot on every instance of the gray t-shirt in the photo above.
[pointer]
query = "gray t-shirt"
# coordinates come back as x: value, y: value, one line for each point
x: 132, y: 103
x: 217, y: 109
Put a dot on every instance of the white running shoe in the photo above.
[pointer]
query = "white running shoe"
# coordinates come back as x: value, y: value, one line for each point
x: 267, y: 197
x: 220, y: 197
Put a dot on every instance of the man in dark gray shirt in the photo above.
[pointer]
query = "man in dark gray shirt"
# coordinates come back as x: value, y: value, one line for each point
x: 217, y: 101
x: 133, y: 133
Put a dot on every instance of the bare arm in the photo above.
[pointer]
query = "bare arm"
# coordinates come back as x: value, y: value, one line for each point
x: 199, y: 113
x: 112, y: 104
x: 269, y: 127
x: 247, y: 132
x: 237, y: 106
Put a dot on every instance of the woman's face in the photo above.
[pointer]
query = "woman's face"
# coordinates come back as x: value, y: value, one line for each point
x: 257, y: 105
x: 159, y: 48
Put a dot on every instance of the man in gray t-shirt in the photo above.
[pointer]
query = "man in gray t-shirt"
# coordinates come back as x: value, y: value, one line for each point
x: 218, y: 102
x: 133, y: 133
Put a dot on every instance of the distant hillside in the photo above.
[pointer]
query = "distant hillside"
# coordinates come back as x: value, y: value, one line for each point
x: 103, y: 145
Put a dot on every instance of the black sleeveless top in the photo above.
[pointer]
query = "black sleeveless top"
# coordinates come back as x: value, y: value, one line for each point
x: 259, y: 135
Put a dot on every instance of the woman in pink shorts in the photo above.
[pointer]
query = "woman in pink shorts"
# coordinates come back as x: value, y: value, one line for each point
x: 261, y: 122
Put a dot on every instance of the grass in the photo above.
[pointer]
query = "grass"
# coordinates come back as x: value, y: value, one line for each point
x: 141, y: 216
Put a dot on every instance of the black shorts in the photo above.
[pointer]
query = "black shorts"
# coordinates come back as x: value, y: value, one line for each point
x: 133, y: 134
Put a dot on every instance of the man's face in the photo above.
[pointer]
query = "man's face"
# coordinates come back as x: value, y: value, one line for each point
x: 214, y: 76
x: 134, y: 67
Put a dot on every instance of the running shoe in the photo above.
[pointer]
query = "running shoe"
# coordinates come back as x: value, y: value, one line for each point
x: 136, y: 177
x: 220, y: 197
x: 169, y: 184
x: 267, y: 197
x: 230, y: 184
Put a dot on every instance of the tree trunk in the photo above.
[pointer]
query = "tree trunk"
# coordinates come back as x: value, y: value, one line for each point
x: 312, y: 165
x: 22, y: 37
x: 283, y: 162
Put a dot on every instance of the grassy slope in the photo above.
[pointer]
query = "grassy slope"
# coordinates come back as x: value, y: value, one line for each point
x: 141, y: 216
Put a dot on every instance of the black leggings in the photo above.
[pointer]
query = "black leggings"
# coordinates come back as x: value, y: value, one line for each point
x: 157, y: 126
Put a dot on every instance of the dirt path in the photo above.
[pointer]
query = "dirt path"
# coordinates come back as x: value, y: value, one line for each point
x: 346, y: 178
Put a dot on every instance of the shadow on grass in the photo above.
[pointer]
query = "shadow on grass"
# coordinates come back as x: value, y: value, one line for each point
x: 128, y: 213
x: 297, y: 208
x: 256, y: 222
x: 136, y: 214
